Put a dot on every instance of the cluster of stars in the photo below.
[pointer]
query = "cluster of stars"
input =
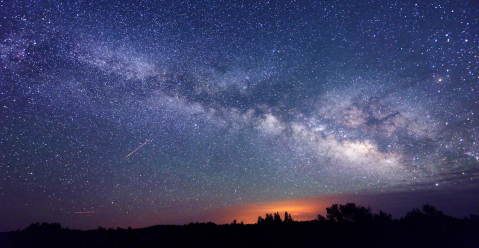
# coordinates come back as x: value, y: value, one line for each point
x: 238, y: 103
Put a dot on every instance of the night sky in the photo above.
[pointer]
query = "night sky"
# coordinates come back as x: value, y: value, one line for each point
x: 235, y: 107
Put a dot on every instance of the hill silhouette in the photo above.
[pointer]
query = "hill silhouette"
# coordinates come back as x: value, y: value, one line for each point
x: 347, y: 225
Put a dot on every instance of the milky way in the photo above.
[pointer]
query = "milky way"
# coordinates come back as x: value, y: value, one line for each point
x: 241, y: 103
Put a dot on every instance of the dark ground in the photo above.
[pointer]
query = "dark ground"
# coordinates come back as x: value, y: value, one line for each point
x: 344, y: 226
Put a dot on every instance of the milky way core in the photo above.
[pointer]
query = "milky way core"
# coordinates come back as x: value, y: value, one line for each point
x: 241, y: 103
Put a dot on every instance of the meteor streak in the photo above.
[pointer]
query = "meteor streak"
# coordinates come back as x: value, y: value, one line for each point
x: 138, y: 148
x: 86, y: 212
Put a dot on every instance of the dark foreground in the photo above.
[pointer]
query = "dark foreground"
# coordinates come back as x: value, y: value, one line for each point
x: 344, y: 226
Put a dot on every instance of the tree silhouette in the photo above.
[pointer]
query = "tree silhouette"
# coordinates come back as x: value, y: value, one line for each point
x: 277, y: 218
x: 383, y: 217
x: 428, y: 213
x: 320, y: 218
x: 348, y: 213
x: 260, y: 220
x: 44, y: 227
x: 287, y: 217
x: 432, y: 211
x: 269, y: 218
x: 334, y: 214
x: 414, y: 213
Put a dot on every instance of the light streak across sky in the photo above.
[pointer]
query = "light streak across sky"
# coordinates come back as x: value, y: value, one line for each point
x: 137, y: 148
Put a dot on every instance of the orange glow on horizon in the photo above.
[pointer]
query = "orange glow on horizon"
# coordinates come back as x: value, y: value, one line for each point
x: 300, y: 209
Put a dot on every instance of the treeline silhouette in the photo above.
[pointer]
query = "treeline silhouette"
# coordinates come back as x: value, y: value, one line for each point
x: 344, y: 226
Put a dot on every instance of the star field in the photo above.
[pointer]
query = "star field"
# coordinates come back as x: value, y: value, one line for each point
x: 241, y: 102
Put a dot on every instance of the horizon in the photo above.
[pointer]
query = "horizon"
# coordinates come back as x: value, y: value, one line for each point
x: 266, y: 208
x: 120, y: 113
x: 301, y: 209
